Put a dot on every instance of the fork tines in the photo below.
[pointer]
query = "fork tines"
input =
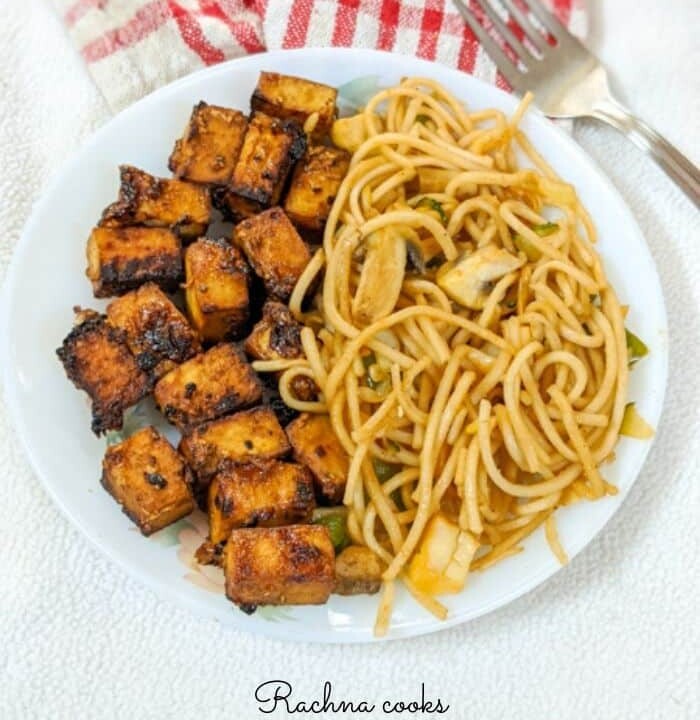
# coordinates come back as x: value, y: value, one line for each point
x: 486, y: 18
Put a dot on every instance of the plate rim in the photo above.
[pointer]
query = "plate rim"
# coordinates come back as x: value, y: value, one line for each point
x: 170, y: 592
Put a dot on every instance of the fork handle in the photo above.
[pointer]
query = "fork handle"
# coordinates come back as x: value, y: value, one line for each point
x: 672, y: 161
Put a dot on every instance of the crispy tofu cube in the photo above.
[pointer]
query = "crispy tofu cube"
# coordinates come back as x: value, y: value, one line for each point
x: 275, y: 250
x: 268, y: 493
x: 270, y: 149
x: 315, y: 183
x: 156, y: 332
x: 147, y: 477
x: 216, y: 288
x: 289, y: 97
x: 242, y: 437
x: 271, y: 398
x: 97, y: 360
x: 157, y: 202
x: 209, y: 554
x: 291, y: 565
x: 315, y: 445
x: 276, y: 336
x: 122, y: 258
x: 207, y: 386
x: 357, y: 572
x: 209, y: 148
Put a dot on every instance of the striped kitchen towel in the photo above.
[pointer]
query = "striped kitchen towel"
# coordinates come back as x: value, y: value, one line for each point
x: 134, y: 46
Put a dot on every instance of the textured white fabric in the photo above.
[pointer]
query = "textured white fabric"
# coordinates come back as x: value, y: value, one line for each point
x: 136, y: 46
x: 614, y: 635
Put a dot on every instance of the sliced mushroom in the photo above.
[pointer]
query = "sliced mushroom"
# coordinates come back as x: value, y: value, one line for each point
x: 470, y: 278
x: 381, y: 276
x: 422, y: 249
x: 357, y: 571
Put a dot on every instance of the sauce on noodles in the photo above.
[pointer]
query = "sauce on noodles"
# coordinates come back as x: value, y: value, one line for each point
x: 494, y: 410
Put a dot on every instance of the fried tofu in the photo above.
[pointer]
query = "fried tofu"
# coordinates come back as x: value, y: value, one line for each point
x: 357, y: 572
x: 156, y: 332
x: 209, y: 148
x: 97, y: 360
x: 315, y: 183
x: 270, y: 149
x: 242, y: 437
x: 271, y: 398
x: 291, y: 565
x: 123, y: 258
x: 315, y: 445
x: 217, y: 279
x: 275, y: 250
x: 148, y: 478
x: 268, y: 493
x: 207, y: 386
x: 289, y: 97
x: 157, y: 202
x: 276, y: 336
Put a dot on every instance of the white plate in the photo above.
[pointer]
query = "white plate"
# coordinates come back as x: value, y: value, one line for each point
x: 46, y: 279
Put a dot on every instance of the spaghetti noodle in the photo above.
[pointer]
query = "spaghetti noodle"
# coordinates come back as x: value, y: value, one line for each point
x: 484, y: 360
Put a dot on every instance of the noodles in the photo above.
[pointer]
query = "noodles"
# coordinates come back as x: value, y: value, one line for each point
x: 384, y: 612
x: 496, y: 384
x: 550, y: 531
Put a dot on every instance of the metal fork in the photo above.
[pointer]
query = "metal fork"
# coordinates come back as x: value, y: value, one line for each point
x: 568, y: 81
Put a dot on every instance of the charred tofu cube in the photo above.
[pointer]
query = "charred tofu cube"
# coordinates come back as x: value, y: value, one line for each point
x: 216, y: 288
x: 122, y: 258
x: 97, y: 360
x: 208, y: 150
x: 315, y: 445
x: 291, y: 565
x: 315, y: 183
x: 276, y: 336
x: 270, y: 149
x: 207, y: 386
x: 156, y: 332
x: 271, y: 398
x: 357, y: 571
x: 157, y: 202
x: 242, y: 437
x: 275, y: 250
x: 147, y: 477
x: 294, y: 98
x: 264, y: 494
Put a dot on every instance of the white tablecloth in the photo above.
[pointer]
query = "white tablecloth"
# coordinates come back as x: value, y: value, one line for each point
x: 614, y: 635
